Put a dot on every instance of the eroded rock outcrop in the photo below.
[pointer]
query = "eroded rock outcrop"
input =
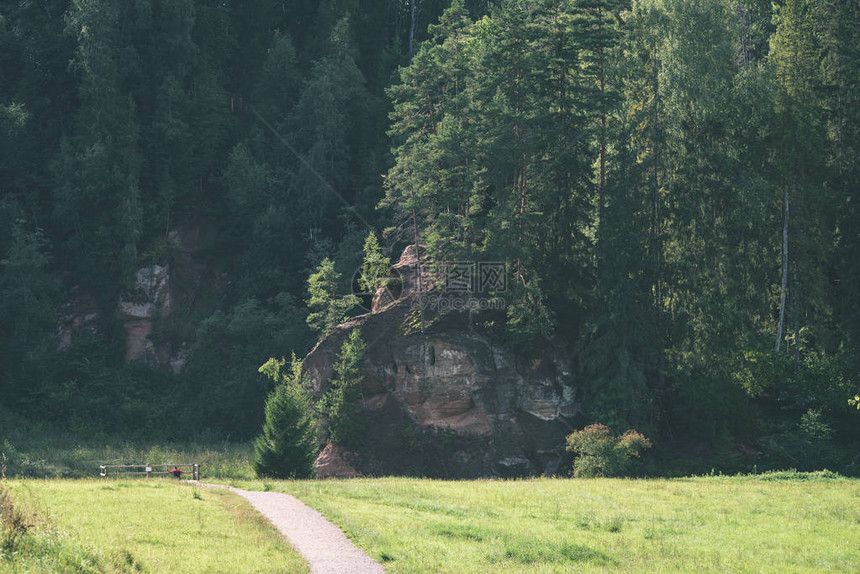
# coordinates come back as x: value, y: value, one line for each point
x: 451, y: 401
x: 139, y: 306
x: 336, y: 462
x: 144, y: 306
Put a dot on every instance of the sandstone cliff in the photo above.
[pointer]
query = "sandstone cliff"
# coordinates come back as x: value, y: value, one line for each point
x: 157, y: 291
x: 450, y: 402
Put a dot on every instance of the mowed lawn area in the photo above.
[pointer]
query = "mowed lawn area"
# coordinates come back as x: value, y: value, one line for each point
x: 786, y: 522
x: 144, y: 525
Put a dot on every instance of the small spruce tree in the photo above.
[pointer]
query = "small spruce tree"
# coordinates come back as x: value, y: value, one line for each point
x: 327, y: 308
x: 374, y: 270
x: 338, y: 407
x: 287, y: 446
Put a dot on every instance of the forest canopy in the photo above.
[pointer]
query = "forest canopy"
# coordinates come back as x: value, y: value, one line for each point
x: 671, y: 184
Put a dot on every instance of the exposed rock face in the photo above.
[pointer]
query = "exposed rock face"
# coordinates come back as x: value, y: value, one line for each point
x: 161, y: 290
x: 406, y: 271
x: 157, y: 290
x: 451, y: 402
x: 335, y: 462
x: 151, y: 295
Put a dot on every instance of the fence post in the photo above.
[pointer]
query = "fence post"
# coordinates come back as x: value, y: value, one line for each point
x: 103, y: 471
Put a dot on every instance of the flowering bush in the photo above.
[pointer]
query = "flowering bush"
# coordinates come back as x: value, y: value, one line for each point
x: 601, y: 454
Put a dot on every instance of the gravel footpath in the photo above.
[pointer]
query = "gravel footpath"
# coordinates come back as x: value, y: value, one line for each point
x: 319, y: 541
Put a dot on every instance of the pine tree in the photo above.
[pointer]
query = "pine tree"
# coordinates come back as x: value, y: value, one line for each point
x: 599, y: 34
x: 839, y: 33
x: 279, y: 84
x: 534, y: 161
x: 431, y: 182
x: 324, y: 121
x: 170, y: 169
x: 621, y: 342
x: 286, y: 448
x: 28, y: 304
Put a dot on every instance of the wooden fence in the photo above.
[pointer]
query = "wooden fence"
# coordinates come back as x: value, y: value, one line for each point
x: 108, y: 470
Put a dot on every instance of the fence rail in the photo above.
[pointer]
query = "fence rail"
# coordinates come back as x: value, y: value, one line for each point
x: 108, y: 470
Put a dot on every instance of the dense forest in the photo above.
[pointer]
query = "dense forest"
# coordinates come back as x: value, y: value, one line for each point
x: 671, y: 184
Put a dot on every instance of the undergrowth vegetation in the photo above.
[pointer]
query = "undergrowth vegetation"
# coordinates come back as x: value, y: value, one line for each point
x: 33, y: 450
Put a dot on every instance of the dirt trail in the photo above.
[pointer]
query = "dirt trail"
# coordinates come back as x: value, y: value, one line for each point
x: 319, y: 541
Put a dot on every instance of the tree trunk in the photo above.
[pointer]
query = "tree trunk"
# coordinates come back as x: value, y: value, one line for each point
x: 742, y: 24
x: 415, y: 10
x: 602, y: 198
x: 418, y: 268
x: 602, y: 72
x: 784, y: 290
x: 655, y: 185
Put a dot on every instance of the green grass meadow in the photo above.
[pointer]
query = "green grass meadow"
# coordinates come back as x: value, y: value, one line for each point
x: 787, y: 522
x: 144, y: 525
x: 775, y: 522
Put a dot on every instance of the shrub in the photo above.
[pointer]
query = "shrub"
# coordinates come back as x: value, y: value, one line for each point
x: 287, y: 446
x: 601, y: 454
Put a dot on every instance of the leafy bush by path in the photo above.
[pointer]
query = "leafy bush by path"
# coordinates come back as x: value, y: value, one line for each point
x: 601, y: 454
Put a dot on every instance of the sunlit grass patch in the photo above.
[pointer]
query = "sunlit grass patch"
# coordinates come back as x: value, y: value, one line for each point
x: 154, y: 525
x: 785, y: 522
